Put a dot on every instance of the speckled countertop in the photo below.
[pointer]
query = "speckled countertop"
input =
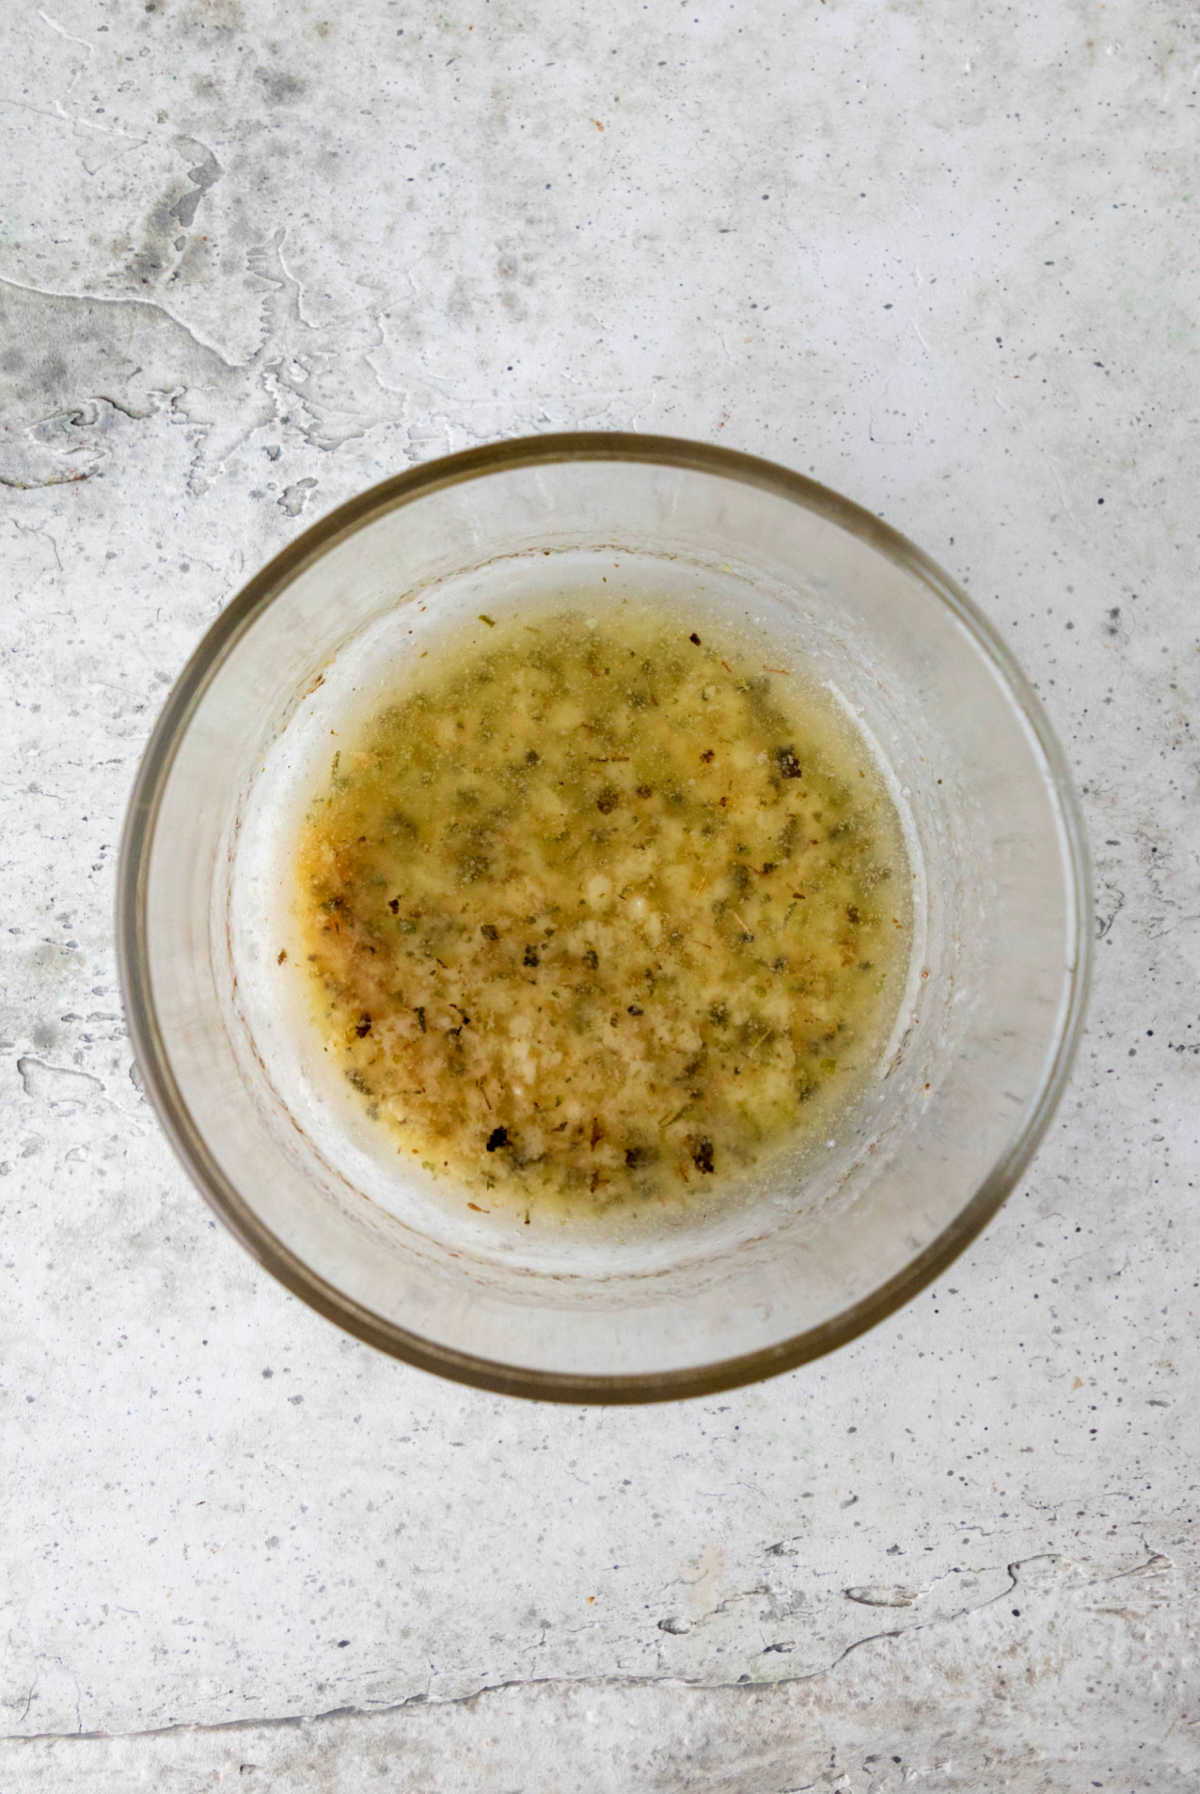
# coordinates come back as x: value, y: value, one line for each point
x: 251, y: 260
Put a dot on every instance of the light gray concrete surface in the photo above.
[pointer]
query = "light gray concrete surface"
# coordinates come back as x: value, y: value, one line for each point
x: 254, y: 257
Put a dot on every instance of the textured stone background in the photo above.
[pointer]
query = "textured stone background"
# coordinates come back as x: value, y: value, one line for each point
x: 254, y: 257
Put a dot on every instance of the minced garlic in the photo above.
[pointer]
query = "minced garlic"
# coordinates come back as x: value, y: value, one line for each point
x: 596, y: 914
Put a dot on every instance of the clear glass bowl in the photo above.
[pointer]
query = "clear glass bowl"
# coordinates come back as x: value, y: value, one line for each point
x: 989, y: 1024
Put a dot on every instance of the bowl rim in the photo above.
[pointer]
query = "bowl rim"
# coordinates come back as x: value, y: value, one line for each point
x: 150, y: 1049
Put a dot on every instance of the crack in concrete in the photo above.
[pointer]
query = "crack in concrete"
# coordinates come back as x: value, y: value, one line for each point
x: 76, y: 123
x: 63, y: 32
x: 297, y: 1721
x: 1104, y: 923
x: 139, y: 417
x: 155, y: 305
x: 1154, y: 1564
x: 299, y: 366
x: 741, y: 1686
x: 31, y: 529
x: 15, y: 484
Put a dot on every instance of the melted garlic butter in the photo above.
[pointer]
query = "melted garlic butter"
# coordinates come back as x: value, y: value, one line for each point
x: 594, y: 914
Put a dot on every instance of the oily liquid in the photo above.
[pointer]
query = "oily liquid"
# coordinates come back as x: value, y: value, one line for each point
x: 597, y: 914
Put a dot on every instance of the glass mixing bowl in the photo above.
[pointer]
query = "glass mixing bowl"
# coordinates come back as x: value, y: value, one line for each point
x: 805, y: 1260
